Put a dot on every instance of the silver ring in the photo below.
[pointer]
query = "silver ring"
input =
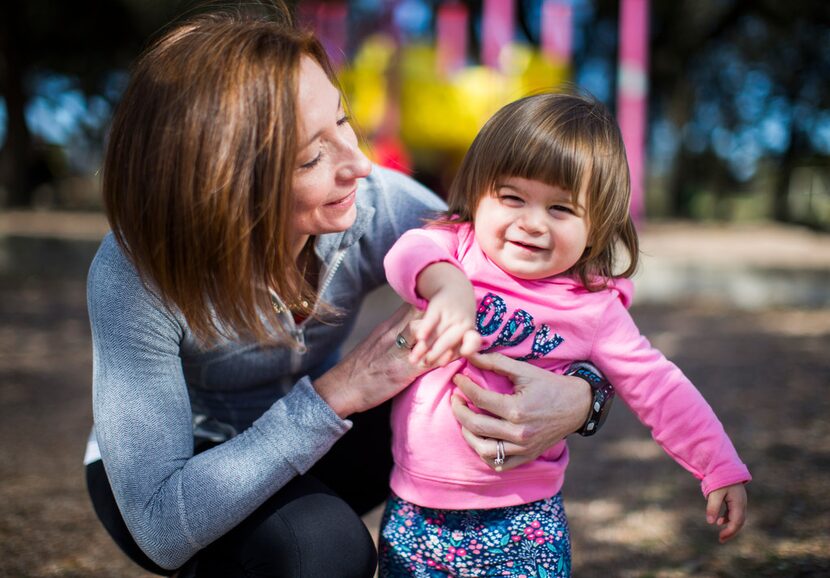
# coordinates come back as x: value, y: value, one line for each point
x: 401, y: 342
x: 499, y: 461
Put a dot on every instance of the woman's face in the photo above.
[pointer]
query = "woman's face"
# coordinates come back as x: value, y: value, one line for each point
x: 329, y: 162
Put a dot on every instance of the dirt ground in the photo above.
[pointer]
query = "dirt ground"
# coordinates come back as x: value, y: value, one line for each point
x: 633, y: 511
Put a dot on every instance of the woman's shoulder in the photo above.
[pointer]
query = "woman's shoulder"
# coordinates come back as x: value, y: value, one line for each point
x: 385, y: 185
x: 117, y: 296
x: 111, y: 261
x: 113, y: 277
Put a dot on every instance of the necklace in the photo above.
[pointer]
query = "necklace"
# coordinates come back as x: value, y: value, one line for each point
x: 280, y: 308
x: 306, y: 256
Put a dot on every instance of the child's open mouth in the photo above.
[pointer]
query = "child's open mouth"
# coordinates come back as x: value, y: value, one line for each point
x: 526, y: 247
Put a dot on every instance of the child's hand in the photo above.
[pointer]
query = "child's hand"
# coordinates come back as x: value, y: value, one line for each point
x: 732, y: 501
x: 447, y: 330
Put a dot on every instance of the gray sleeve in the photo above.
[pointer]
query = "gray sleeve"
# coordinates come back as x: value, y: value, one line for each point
x: 175, y: 503
x: 401, y: 203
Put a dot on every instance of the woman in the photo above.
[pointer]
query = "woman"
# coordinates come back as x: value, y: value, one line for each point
x: 247, y: 227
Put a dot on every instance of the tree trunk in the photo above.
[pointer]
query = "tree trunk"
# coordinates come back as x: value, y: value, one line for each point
x: 15, y: 156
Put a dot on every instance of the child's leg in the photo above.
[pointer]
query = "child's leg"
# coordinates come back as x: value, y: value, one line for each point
x: 530, y: 540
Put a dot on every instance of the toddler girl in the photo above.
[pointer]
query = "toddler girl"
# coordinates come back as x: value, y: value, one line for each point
x: 523, y: 264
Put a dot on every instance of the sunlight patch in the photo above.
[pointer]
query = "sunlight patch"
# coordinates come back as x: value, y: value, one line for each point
x: 639, y: 450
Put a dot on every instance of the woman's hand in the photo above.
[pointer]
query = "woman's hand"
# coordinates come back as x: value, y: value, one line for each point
x: 544, y: 408
x: 374, y: 371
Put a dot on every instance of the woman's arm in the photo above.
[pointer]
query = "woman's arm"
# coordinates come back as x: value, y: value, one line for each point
x: 173, y: 502
x: 544, y: 408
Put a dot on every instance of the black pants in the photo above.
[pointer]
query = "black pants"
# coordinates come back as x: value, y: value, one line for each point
x: 310, y: 528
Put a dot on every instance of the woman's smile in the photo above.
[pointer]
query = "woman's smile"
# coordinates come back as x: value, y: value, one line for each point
x: 343, y: 202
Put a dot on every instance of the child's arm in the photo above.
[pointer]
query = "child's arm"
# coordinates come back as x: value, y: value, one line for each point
x: 680, y: 419
x: 731, y: 500
x: 447, y: 330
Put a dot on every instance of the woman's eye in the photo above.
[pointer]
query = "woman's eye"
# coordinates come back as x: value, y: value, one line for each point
x: 313, y: 162
x: 344, y: 120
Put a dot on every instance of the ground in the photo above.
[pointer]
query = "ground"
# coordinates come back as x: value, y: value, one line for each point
x: 633, y: 511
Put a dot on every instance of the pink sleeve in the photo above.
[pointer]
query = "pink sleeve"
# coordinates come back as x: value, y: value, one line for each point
x: 664, y: 399
x: 410, y: 254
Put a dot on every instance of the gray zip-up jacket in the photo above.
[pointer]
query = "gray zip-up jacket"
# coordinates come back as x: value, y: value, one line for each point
x: 150, y: 377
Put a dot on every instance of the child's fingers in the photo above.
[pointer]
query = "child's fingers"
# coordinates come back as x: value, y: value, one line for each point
x: 732, y: 528
x: 714, y: 503
x: 470, y: 343
x: 735, y: 513
x: 449, y: 356
x: 421, y: 346
x: 440, y: 356
x: 424, y: 333
x: 426, y: 326
x: 418, y: 351
x: 727, y: 508
x: 447, y: 341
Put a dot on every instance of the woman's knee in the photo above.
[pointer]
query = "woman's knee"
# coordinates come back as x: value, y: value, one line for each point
x: 103, y: 502
x: 304, y: 531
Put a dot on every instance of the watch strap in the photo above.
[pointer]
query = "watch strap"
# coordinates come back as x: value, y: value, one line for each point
x: 602, y: 396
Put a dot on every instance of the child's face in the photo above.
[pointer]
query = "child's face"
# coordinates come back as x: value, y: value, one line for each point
x: 530, y: 229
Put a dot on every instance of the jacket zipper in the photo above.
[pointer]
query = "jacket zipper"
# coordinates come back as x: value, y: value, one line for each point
x: 299, y: 332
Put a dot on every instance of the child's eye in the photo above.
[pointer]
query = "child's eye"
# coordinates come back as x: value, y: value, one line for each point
x: 562, y: 209
x: 511, y: 200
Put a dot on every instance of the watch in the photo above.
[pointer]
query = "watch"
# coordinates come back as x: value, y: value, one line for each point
x: 603, y: 395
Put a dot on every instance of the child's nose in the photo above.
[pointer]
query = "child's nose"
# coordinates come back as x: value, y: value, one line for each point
x: 532, y: 222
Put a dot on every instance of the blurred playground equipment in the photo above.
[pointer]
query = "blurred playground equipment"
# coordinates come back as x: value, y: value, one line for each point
x: 419, y: 100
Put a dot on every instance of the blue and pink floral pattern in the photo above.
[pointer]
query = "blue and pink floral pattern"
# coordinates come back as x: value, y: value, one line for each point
x: 529, y: 540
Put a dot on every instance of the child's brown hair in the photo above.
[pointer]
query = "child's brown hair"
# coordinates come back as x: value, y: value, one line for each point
x: 567, y: 140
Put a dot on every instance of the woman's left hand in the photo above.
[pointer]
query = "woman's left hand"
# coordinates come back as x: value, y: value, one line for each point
x: 544, y: 408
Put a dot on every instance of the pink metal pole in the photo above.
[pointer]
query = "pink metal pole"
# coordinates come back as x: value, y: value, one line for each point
x: 451, y: 38
x: 557, y: 26
x: 632, y: 93
x: 496, y: 30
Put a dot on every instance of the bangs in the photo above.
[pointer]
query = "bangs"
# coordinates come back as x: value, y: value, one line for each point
x: 541, y: 139
x: 537, y: 153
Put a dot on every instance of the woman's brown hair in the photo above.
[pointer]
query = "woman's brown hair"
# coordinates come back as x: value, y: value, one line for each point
x: 198, y: 170
x: 567, y: 140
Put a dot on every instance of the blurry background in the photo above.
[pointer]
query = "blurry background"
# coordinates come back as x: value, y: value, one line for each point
x: 725, y: 109
x: 735, y: 111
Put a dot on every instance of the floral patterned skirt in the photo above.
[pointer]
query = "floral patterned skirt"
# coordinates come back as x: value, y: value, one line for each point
x: 519, y: 541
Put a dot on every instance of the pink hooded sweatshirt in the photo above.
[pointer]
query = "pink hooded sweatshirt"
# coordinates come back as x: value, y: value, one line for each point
x: 549, y: 323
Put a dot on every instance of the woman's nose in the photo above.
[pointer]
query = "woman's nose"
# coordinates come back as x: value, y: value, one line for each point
x: 355, y: 164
